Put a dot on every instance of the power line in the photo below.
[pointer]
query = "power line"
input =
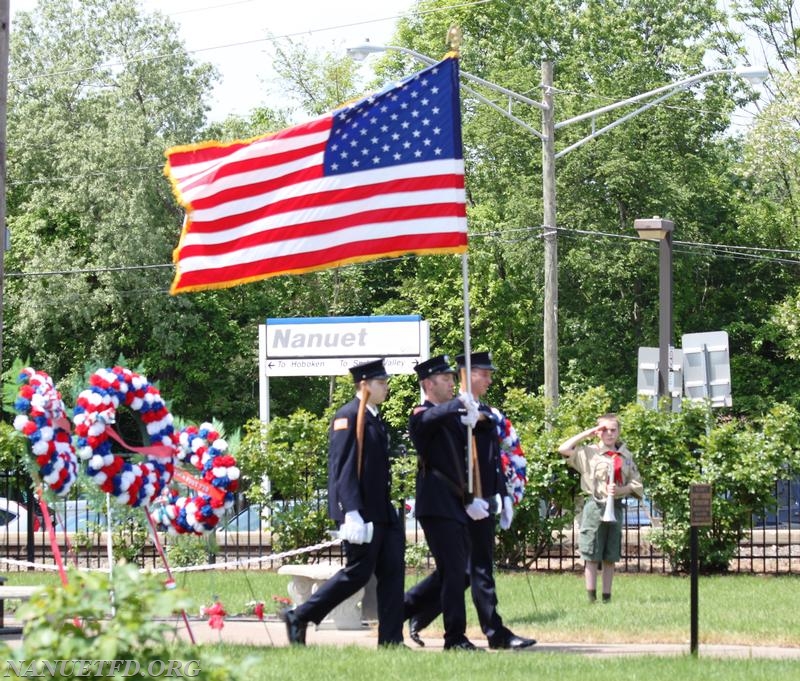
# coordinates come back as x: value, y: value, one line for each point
x: 730, y: 251
x: 68, y: 178
x: 749, y: 248
x: 243, y: 43
x: 717, y: 250
x: 93, y: 270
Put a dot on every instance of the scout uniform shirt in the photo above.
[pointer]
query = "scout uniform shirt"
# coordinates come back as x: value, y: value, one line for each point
x: 592, y: 462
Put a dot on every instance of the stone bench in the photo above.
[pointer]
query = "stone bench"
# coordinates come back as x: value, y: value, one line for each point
x: 22, y: 593
x: 306, y: 579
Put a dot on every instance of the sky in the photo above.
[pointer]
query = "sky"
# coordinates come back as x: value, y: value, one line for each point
x: 231, y: 34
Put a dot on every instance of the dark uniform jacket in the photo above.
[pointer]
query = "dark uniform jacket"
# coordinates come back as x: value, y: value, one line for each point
x: 440, y: 440
x: 369, y: 495
x: 489, y: 462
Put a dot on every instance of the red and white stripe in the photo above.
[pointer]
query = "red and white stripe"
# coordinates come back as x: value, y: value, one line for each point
x: 263, y: 208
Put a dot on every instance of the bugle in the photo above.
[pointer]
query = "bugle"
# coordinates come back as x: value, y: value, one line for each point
x: 608, y: 515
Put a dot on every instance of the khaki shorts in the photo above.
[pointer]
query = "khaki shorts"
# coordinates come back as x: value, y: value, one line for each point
x: 599, y: 541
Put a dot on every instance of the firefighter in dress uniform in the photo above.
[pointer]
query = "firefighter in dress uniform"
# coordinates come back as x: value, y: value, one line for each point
x: 482, y: 530
x: 359, y: 501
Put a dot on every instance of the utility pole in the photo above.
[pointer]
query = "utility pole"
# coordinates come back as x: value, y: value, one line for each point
x: 550, y: 239
x: 549, y: 156
x: 5, y: 27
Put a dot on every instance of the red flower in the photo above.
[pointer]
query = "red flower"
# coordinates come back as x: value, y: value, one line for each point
x: 216, y: 615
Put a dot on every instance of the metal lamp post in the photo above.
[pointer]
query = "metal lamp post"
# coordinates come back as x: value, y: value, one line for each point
x: 549, y: 157
x: 661, y: 231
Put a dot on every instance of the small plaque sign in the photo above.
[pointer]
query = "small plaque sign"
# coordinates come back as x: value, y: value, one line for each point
x: 699, y: 504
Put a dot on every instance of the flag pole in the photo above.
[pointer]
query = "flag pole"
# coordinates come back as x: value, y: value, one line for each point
x: 467, y: 366
x: 454, y: 40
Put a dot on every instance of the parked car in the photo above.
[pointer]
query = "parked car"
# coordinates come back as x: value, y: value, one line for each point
x: 251, y: 519
x: 786, y: 512
x: 639, y: 512
x: 14, y: 517
x: 83, y: 522
x: 75, y: 515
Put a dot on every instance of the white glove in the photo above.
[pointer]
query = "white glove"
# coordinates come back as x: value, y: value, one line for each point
x: 355, y: 534
x: 478, y: 509
x: 353, y: 517
x: 354, y: 529
x: 507, y: 514
x: 471, y: 405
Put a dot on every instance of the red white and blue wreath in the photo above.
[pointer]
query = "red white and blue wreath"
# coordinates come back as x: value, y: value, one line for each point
x: 134, y: 484
x: 42, y: 419
x: 206, y: 451
x: 511, y: 456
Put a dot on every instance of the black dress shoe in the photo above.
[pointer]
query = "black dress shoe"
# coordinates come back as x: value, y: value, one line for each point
x: 512, y: 642
x: 464, y: 645
x: 413, y: 632
x: 295, y: 627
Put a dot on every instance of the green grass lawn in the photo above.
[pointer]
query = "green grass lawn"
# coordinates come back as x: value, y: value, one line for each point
x: 327, y: 663
x: 735, y: 609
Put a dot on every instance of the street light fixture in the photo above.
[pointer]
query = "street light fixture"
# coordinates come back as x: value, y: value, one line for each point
x: 549, y: 156
x: 661, y: 231
x: 360, y: 53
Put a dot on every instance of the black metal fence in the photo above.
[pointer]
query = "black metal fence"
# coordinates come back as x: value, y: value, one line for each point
x: 771, y: 545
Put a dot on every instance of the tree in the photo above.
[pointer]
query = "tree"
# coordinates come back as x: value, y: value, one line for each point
x: 99, y: 91
x: 86, y: 194
x: 319, y: 81
x: 767, y: 200
x: 674, y: 160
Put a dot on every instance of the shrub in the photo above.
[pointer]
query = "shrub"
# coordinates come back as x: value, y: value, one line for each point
x: 298, y: 524
x: 741, y: 460
x: 96, y: 618
x: 292, y: 453
x: 190, y: 549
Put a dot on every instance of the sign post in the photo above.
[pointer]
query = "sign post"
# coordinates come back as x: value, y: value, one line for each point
x: 699, y: 515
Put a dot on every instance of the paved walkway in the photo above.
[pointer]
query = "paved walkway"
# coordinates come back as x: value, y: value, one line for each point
x: 273, y: 634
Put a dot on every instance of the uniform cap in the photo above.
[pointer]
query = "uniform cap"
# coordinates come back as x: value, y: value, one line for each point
x: 368, y: 370
x: 435, y: 365
x: 478, y: 360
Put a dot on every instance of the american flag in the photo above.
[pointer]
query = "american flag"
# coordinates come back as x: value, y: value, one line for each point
x: 378, y: 178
